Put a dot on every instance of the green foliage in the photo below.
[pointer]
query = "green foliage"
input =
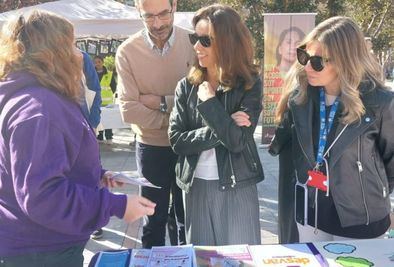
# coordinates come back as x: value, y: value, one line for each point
x: 193, y: 5
x: 376, y: 19
x: 292, y: 6
x: 330, y: 8
x: 109, y: 62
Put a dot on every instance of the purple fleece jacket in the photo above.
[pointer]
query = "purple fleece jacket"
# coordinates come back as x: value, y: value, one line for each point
x: 49, y: 171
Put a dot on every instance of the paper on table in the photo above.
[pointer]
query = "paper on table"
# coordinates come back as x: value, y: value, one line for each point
x: 180, y: 256
x: 108, y: 259
x: 232, y: 255
x: 139, y: 257
x: 302, y: 254
x: 142, y: 181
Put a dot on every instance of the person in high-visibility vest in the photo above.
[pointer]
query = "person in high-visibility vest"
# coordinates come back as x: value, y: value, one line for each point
x: 108, y: 88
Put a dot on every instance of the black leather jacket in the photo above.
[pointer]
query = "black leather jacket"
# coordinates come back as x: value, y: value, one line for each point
x: 196, y: 126
x: 361, y: 162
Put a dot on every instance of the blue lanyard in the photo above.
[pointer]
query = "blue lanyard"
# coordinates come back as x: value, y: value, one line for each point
x: 325, y: 127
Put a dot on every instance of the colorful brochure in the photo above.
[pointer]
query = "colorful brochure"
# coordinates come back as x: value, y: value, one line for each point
x: 181, y: 256
x: 227, y: 256
x: 110, y: 259
x: 139, y: 257
x: 302, y: 255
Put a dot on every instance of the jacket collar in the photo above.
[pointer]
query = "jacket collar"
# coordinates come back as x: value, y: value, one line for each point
x: 354, y: 130
x: 303, y: 116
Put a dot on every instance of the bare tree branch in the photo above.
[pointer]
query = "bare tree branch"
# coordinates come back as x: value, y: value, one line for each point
x: 370, y: 24
x: 377, y: 31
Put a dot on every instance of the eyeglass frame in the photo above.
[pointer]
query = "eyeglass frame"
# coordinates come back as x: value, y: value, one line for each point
x: 205, y: 40
x: 152, y: 17
x: 311, y: 59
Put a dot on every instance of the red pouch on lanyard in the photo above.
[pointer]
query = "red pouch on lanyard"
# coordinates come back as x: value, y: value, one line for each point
x: 318, y: 180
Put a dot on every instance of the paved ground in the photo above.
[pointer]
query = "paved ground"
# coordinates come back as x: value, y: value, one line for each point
x: 120, y: 157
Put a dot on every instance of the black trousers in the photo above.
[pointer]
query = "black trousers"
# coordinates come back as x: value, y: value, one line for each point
x: 69, y: 257
x: 157, y: 164
x: 107, y: 133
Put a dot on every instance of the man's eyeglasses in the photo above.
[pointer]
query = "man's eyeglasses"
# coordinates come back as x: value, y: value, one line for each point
x: 165, y: 15
x: 317, y: 62
x: 205, y: 40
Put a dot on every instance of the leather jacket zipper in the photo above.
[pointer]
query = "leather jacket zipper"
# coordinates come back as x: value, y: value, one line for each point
x: 384, y: 190
x: 233, y: 182
x: 254, y: 164
x: 360, y: 169
x: 232, y: 177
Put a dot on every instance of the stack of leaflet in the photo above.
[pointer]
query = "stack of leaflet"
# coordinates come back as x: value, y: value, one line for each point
x: 305, y: 255
x: 181, y: 256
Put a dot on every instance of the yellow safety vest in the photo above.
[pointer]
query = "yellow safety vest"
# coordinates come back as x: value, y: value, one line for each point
x: 107, y: 96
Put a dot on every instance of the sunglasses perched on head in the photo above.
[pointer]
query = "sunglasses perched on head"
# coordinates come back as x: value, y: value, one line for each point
x: 317, y: 62
x: 204, y: 40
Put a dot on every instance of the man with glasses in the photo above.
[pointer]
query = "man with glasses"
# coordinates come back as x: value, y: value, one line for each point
x: 149, y: 65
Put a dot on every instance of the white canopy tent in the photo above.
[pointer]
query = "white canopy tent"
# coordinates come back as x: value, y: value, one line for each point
x: 98, y: 18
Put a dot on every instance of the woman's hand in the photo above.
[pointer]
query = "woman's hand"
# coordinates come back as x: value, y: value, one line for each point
x: 241, y: 119
x: 107, y: 180
x: 137, y: 207
x: 205, y: 91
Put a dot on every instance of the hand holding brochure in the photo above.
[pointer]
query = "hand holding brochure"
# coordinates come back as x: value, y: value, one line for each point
x: 120, y: 177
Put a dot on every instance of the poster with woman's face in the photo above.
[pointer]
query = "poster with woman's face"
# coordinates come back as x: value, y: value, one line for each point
x: 283, y: 33
x: 286, y: 51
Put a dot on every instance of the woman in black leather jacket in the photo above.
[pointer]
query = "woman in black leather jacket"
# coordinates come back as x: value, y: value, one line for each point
x: 338, y: 119
x: 211, y: 129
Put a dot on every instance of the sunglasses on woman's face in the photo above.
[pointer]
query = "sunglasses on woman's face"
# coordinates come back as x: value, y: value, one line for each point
x: 204, y: 40
x: 317, y: 62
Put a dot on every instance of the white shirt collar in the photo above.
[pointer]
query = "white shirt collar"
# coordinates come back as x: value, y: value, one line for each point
x: 152, y: 46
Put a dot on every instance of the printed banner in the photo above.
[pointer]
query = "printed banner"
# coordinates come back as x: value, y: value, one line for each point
x: 282, y: 34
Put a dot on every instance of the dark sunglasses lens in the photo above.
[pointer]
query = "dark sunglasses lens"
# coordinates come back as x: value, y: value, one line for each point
x: 317, y: 63
x: 205, y: 41
x: 193, y: 38
x: 302, y: 56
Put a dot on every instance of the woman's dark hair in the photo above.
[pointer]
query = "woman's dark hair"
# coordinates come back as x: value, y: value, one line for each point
x: 99, y: 57
x: 233, y: 47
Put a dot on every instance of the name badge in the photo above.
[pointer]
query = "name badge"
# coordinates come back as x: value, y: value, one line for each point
x: 318, y: 180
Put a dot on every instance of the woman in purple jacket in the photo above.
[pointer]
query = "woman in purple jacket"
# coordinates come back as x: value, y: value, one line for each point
x: 51, y: 193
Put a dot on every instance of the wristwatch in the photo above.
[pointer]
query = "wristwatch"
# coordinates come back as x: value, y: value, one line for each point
x: 163, y: 104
